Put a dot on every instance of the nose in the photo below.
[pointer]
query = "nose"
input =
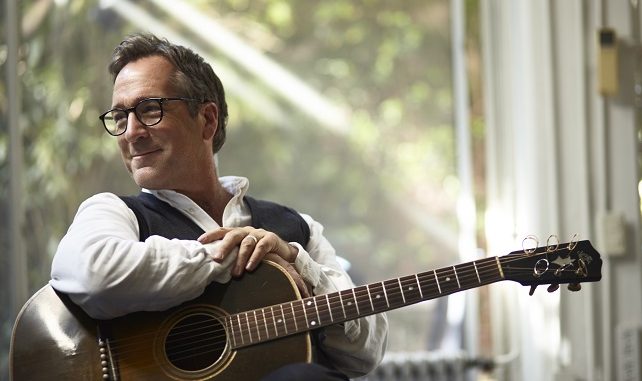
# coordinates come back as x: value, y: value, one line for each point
x: 135, y: 129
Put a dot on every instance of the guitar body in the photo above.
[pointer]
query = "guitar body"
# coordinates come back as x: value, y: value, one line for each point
x: 53, y: 339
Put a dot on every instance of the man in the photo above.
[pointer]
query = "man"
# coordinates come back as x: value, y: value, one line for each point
x: 188, y: 227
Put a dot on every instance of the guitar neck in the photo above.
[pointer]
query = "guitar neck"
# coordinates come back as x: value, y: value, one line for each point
x: 272, y: 322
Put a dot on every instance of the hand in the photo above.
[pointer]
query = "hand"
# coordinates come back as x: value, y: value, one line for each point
x: 253, y: 245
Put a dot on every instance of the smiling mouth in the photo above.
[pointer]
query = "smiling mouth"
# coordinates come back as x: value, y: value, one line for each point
x: 144, y: 154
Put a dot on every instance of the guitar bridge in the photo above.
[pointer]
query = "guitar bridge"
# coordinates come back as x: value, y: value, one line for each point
x: 108, y: 368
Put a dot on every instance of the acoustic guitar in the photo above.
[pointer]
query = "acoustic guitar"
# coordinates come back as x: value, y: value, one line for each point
x: 250, y: 326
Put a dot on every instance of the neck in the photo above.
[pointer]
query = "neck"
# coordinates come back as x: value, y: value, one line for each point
x: 213, y: 202
x: 211, y: 197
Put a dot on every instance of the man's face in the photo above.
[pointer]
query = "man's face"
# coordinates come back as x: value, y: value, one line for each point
x: 169, y: 154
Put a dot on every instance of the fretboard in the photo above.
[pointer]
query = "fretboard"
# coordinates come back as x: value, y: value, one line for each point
x: 272, y: 322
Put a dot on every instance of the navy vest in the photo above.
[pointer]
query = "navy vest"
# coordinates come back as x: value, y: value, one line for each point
x: 156, y: 217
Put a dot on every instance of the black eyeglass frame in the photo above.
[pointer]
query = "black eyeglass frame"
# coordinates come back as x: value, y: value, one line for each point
x: 127, y: 111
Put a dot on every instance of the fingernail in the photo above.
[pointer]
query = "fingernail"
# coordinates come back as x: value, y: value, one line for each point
x: 249, y: 266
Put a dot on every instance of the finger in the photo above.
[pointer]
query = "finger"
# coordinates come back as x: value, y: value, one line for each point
x: 254, y: 260
x: 228, y: 243
x: 213, y: 235
x: 252, y: 252
x: 272, y: 243
x: 246, y: 249
x: 268, y: 243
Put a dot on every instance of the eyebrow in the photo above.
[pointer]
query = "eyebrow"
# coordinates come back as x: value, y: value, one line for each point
x: 136, y: 101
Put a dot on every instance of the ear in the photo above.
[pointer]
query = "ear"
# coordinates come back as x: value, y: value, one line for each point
x: 209, y: 115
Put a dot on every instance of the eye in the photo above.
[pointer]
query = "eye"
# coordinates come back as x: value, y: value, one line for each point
x: 149, y: 107
x: 117, y: 116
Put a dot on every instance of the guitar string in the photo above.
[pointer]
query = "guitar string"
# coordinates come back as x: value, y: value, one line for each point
x: 362, y: 289
x: 253, y: 328
x: 216, y: 347
x: 203, y: 349
x: 288, y: 315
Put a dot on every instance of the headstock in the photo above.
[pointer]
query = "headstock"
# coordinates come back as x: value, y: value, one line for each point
x: 573, y: 262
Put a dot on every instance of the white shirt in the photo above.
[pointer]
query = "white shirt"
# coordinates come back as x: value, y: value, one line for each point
x: 103, y: 267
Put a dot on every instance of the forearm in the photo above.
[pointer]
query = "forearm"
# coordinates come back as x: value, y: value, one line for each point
x: 355, y: 347
x: 104, y: 268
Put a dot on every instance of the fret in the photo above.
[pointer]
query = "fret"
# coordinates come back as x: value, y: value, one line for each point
x: 256, y: 322
x: 477, y: 272
x: 377, y: 294
x: 276, y: 329
x: 356, y: 304
x: 336, y: 305
x: 385, y: 293
x: 300, y: 315
x: 363, y: 302
x: 249, y: 328
x: 421, y: 294
x: 342, y: 305
x: 401, y: 289
x: 488, y: 271
x: 499, y: 267
x: 323, y: 309
x: 229, y: 328
x: 238, y: 318
x: 429, y: 286
x: 305, y: 314
x: 285, y: 325
x: 393, y: 290
x: 267, y: 333
x: 437, y: 280
x: 447, y: 282
x: 327, y: 301
x: 409, y: 289
x: 456, y: 277
x: 466, y: 279
x: 349, y: 304
x: 294, y: 316
x: 370, y: 297
x: 316, y: 308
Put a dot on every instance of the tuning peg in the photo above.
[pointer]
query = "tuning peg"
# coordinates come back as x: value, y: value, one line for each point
x: 553, y: 287
x: 574, y: 286
x: 532, y: 291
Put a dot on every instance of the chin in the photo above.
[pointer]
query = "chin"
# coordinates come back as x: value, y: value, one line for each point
x: 147, y: 178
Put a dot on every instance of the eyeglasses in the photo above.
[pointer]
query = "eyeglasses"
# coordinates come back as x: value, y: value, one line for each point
x: 148, y: 111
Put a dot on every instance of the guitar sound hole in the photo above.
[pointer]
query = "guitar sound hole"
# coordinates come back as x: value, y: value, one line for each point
x: 195, y: 342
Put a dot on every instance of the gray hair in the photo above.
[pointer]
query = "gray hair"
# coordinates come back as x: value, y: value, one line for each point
x: 193, y: 76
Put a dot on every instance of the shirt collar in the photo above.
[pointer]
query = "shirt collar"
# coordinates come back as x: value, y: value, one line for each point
x: 237, y: 186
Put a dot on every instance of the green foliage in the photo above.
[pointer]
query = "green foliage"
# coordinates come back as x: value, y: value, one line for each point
x: 388, y: 62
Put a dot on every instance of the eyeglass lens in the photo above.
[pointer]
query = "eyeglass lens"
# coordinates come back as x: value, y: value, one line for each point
x: 148, y: 112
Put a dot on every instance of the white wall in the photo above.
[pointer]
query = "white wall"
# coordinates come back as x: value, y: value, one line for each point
x: 559, y: 156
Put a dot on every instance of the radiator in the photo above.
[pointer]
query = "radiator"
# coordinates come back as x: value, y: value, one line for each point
x: 432, y: 366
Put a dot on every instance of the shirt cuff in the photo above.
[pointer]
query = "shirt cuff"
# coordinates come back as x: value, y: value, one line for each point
x: 304, y: 264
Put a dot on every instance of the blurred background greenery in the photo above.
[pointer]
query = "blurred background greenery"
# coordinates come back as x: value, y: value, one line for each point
x: 377, y: 166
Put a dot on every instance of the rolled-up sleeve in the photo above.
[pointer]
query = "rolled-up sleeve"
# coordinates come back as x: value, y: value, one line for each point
x: 101, y: 264
x: 355, y: 347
